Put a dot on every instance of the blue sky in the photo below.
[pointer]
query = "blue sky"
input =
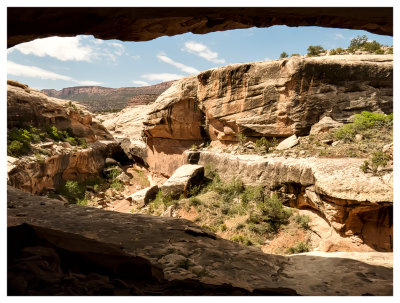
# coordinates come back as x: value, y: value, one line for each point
x: 83, y: 60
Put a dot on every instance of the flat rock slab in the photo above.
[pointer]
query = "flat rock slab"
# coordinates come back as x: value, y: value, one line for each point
x: 142, y: 197
x: 288, y: 143
x: 175, y: 255
x: 182, y: 179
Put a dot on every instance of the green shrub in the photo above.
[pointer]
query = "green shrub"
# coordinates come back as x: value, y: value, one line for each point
x: 365, y: 167
x: 357, y: 43
x: 16, y: 148
x: 194, y: 201
x: 372, y: 47
x: 241, y: 239
x: 339, y: 50
x: 303, y: 220
x: 294, y: 55
x: 223, y: 227
x: 83, y: 143
x: 379, y: 51
x: 299, y: 248
x: 263, y: 144
x: 252, y: 194
x: 390, y: 51
x: 333, y: 52
x: 362, y: 122
x: 283, y: 55
x: 73, y: 191
x: 241, y: 138
x: 273, y: 212
x: 379, y: 159
x: 314, y: 50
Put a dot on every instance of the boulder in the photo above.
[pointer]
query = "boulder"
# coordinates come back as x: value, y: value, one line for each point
x: 142, y: 197
x: 288, y: 143
x: 324, y: 125
x: 124, y: 178
x: 182, y: 179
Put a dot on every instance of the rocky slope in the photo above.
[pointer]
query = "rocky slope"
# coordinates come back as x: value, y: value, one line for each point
x: 83, y: 251
x: 54, y: 162
x: 273, y: 99
x: 98, y: 98
x: 355, y: 204
x: 280, y: 98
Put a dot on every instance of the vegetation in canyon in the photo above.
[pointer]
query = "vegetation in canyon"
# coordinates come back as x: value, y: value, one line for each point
x: 244, y: 214
x: 20, y: 141
x: 357, y: 44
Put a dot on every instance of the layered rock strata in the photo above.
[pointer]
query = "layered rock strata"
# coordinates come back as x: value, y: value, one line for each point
x: 27, y: 106
x: 354, y: 203
x: 37, y: 176
x: 277, y: 98
x: 82, y: 251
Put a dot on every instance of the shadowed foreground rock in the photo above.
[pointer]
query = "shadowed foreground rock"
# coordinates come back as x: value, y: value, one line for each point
x: 146, y: 23
x: 57, y: 249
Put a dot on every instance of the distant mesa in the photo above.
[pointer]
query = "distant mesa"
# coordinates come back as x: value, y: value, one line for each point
x: 99, y: 99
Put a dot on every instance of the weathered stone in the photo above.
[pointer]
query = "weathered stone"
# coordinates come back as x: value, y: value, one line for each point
x: 327, y: 141
x: 143, y: 24
x: 276, y: 98
x: 358, y: 137
x: 182, y: 179
x: 142, y: 197
x: 288, y: 143
x: 336, y: 188
x: 168, y: 211
x: 124, y: 178
x: 164, y: 256
x: 35, y: 108
x: 324, y: 125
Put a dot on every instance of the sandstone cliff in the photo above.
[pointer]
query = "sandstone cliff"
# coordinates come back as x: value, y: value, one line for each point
x: 57, y: 162
x: 98, y: 98
x: 274, y: 99
x: 27, y: 106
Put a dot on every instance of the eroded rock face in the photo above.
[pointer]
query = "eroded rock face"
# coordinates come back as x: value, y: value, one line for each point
x: 274, y: 99
x: 38, y: 176
x: 142, y: 24
x: 354, y: 203
x: 27, y: 106
x: 103, y: 252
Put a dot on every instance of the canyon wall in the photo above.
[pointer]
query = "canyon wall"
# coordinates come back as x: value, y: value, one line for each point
x: 36, y: 173
x: 30, y: 107
x: 273, y: 99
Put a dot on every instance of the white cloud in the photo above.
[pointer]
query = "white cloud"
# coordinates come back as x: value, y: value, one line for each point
x: 162, y: 77
x: 203, y: 51
x: 79, y: 48
x: 37, y: 72
x: 33, y: 72
x: 182, y: 67
x: 142, y: 83
x: 339, y: 36
x: 61, y: 48
x: 88, y: 82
